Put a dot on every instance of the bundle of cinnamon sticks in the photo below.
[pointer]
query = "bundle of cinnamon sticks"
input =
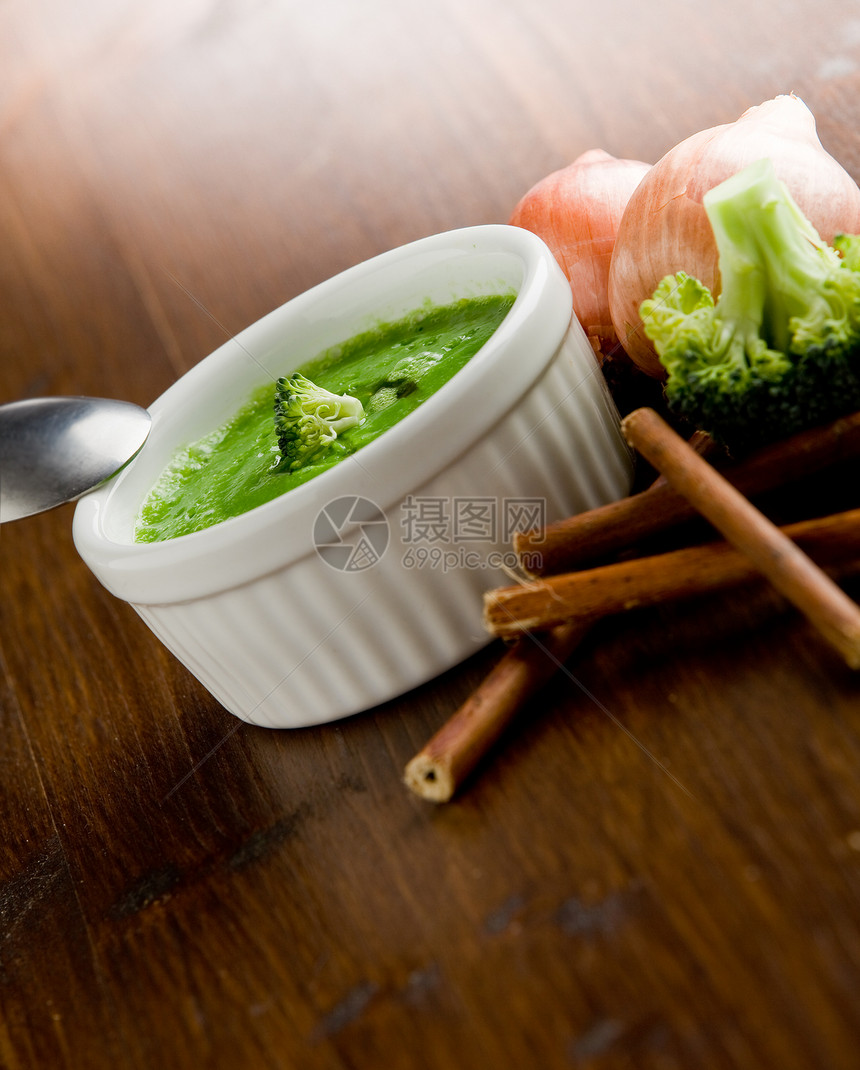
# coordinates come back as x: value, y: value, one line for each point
x: 547, y: 615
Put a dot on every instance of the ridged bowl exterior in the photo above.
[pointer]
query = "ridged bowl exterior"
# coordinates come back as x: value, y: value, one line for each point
x: 307, y: 643
x: 310, y: 644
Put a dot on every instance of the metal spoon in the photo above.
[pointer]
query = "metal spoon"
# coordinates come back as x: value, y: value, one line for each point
x: 54, y: 449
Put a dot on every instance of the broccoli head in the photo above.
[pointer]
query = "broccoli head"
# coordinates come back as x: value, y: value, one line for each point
x: 308, y: 418
x: 779, y: 350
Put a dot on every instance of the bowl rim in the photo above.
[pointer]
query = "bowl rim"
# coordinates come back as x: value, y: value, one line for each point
x: 400, y: 461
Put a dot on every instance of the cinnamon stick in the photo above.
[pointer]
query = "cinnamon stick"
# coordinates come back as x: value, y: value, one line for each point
x: 436, y: 772
x: 439, y: 768
x: 566, y: 606
x: 597, y: 533
x: 590, y: 594
x: 787, y: 567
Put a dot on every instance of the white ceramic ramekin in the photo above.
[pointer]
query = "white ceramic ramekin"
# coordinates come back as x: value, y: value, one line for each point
x: 264, y: 609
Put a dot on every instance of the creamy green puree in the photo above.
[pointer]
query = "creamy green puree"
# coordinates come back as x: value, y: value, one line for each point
x: 391, y: 369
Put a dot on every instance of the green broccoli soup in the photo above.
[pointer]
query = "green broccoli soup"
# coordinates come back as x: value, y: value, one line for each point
x: 320, y: 413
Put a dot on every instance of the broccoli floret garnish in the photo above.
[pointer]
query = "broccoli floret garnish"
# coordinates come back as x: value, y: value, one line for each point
x: 308, y: 418
x: 779, y: 351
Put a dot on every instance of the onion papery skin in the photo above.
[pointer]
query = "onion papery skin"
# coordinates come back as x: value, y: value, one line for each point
x: 576, y: 211
x: 664, y: 228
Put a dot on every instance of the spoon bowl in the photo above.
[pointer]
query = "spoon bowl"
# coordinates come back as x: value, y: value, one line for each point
x: 54, y: 449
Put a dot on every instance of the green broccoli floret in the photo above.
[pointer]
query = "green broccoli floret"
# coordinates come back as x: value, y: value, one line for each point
x: 779, y: 351
x: 308, y: 418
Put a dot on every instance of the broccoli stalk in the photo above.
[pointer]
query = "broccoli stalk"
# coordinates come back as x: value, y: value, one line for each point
x: 779, y: 351
x: 308, y: 418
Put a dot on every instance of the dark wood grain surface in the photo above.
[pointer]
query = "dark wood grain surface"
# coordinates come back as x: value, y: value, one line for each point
x: 660, y: 867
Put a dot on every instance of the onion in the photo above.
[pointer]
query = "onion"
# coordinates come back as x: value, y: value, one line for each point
x: 576, y: 211
x: 664, y: 228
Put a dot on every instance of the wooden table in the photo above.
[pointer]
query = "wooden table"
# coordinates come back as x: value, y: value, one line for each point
x: 660, y: 867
